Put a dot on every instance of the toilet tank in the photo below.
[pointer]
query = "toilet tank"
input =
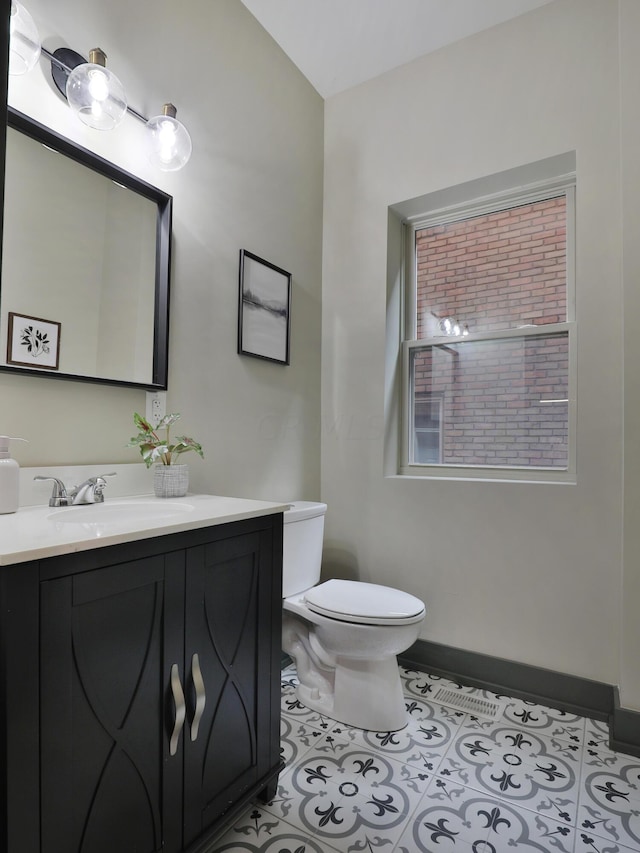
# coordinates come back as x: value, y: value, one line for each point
x: 303, y: 530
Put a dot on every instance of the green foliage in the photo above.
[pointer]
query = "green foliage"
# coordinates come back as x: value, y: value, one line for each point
x: 154, y: 448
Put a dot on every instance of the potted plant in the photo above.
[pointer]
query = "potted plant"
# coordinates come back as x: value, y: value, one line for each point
x: 170, y: 477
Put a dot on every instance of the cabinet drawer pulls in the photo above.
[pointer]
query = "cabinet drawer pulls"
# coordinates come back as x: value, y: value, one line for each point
x: 201, y: 696
x: 181, y: 708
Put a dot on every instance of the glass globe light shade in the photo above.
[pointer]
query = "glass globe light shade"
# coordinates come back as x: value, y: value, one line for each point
x: 167, y: 140
x: 24, y: 41
x: 95, y: 94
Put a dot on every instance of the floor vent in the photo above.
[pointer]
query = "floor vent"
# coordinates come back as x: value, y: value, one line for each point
x: 488, y: 708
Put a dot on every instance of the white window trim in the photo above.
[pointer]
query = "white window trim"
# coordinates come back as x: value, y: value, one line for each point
x: 559, y: 186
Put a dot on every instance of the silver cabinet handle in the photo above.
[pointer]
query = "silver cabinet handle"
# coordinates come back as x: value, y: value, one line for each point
x: 201, y: 696
x: 181, y: 708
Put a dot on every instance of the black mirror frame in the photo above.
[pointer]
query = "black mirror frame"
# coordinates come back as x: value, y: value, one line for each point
x: 46, y: 136
x: 5, y: 13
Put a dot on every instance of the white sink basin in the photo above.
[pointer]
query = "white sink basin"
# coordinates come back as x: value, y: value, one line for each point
x: 119, y: 512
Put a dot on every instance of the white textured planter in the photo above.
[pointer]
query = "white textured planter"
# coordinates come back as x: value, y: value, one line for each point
x: 170, y: 481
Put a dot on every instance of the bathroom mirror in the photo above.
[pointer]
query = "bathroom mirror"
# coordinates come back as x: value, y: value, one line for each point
x: 85, y: 266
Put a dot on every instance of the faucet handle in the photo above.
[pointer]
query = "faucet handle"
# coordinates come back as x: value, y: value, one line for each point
x: 59, y: 494
x: 100, y: 483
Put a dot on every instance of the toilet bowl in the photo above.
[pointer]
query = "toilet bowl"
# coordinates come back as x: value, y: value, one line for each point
x: 343, y: 635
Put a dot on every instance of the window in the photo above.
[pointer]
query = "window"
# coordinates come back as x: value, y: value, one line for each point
x: 488, y: 351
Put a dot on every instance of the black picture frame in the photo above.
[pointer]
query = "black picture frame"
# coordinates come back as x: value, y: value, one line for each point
x: 264, y: 309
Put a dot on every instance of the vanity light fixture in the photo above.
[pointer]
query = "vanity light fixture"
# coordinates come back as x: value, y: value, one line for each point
x: 168, y: 141
x: 24, y: 41
x: 95, y: 94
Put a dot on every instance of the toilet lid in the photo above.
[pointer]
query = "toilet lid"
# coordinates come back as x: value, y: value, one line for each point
x: 367, y: 603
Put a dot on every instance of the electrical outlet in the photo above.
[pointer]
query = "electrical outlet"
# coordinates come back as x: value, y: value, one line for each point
x: 156, y: 406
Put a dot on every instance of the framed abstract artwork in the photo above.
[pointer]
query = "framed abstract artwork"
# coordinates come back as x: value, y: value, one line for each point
x: 264, y: 310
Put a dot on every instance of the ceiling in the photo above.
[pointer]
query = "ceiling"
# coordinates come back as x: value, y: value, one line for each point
x: 337, y: 44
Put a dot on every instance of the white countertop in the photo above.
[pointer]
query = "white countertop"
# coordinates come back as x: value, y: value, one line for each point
x: 37, y: 532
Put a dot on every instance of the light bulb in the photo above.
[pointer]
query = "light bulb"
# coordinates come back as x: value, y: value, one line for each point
x: 95, y: 94
x: 168, y: 141
x: 98, y: 84
x: 24, y: 41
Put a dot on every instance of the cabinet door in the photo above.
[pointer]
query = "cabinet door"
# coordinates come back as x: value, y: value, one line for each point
x: 228, y: 650
x: 109, y: 638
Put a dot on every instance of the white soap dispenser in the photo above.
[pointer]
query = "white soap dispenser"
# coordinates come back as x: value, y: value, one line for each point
x: 9, y: 477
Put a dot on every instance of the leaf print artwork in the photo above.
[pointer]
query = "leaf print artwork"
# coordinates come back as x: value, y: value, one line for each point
x: 33, y: 341
x: 36, y: 342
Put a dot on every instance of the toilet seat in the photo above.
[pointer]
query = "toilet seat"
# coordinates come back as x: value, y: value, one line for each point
x: 364, y: 603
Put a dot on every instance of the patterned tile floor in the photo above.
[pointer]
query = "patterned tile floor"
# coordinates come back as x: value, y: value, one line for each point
x: 534, y: 780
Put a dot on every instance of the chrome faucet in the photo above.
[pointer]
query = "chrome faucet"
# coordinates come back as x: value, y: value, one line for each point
x: 89, y: 492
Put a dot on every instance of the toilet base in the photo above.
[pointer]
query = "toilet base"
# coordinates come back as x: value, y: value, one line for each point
x: 367, y: 695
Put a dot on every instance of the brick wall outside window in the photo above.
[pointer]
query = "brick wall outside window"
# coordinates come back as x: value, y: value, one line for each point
x: 494, y: 272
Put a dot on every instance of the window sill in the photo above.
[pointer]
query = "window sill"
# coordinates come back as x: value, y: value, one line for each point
x: 487, y: 475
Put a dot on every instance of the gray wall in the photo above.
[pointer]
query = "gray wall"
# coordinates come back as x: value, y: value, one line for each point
x: 528, y: 571
x: 630, y: 169
x: 254, y: 182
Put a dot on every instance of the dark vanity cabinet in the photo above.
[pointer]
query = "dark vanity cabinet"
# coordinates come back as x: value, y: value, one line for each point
x: 141, y: 690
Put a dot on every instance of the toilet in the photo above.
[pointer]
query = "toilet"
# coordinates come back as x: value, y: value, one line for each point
x: 343, y: 635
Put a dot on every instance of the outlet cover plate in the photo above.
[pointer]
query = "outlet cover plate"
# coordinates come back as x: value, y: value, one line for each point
x: 156, y: 406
